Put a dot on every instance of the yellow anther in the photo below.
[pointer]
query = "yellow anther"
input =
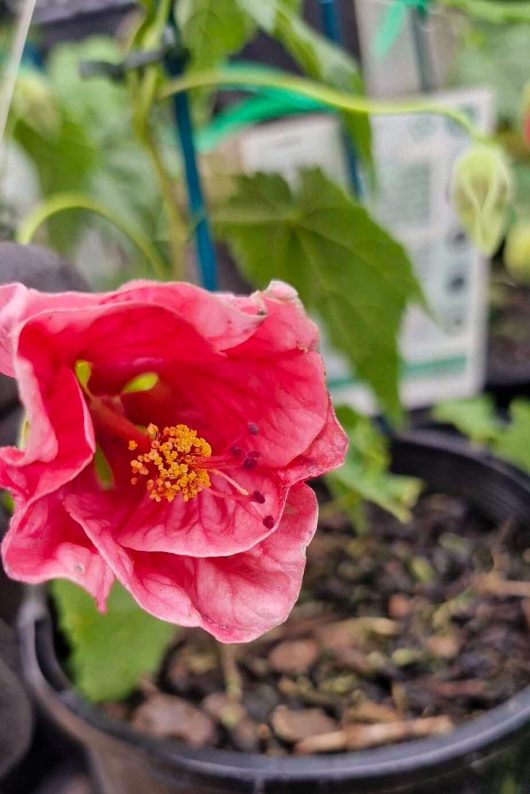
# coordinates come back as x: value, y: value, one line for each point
x: 174, y: 463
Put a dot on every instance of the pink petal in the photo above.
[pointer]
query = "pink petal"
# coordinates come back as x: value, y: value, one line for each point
x: 44, y: 542
x: 215, y: 316
x: 12, y: 301
x: 272, y: 380
x: 60, y: 440
x: 326, y: 453
x: 207, y: 526
x: 244, y: 596
x: 18, y: 304
x: 119, y: 341
x: 282, y: 397
x: 286, y: 325
x: 234, y: 598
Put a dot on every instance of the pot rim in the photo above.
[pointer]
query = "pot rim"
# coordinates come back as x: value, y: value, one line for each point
x: 481, y: 736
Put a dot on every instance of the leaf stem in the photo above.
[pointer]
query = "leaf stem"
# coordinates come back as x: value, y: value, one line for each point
x: 176, y: 227
x: 505, y: 12
x: 253, y: 78
x: 143, y: 94
x: 62, y: 202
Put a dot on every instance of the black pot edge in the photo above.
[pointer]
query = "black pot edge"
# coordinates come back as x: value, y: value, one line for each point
x: 502, y: 378
x: 491, y: 731
x: 438, y: 437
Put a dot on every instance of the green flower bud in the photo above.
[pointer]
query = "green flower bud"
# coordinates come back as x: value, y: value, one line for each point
x: 481, y: 190
x: 517, y: 251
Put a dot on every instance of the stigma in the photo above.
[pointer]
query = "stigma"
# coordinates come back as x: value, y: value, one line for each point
x: 176, y: 463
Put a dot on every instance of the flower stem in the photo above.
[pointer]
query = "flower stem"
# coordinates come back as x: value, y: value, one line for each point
x: 233, y: 681
x: 143, y: 94
x: 254, y: 78
x: 176, y: 227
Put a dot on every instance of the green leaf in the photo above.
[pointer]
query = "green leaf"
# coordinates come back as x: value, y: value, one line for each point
x: 318, y: 58
x: 96, y: 103
x: 85, y: 126
x: 109, y: 653
x: 212, y: 29
x: 513, y: 444
x: 346, y: 268
x: 293, y: 6
x: 365, y: 474
x: 475, y: 418
x: 64, y: 161
x: 478, y: 420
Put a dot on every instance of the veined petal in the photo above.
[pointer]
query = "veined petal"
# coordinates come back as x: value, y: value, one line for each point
x: 326, y: 453
x: 218, y: 317
x: 235, y: 598
x: 207, y: 526
x: 44, y: 542
x: 60, y: 440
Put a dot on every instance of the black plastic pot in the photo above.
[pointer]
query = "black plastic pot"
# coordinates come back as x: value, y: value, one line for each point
x: 507, y: 383
x: 490, y: 755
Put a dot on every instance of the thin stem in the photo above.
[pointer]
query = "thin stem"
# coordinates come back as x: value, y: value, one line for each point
x: 176, y: 227
x: 232, y: 677
x: 63, y: 202
x: 161, y: 20
x: 13, y: 64
x: 143, y: 93
x: 496, y: 13
x: 316, y: 91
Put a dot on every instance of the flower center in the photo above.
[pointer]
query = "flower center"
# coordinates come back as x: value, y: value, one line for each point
x: 177, y: 461
x: 175, y: 464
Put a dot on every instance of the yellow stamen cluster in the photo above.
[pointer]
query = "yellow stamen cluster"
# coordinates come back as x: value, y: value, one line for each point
x: 172, y: 464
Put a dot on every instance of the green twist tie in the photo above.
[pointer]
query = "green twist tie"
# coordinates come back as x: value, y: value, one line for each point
x: 392, y: 24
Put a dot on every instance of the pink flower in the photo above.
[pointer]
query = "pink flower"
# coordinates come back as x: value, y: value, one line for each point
x: 169, y: 434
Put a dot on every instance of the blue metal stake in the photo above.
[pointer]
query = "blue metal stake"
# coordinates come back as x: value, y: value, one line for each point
x: 421, y: 49
x: 329, y: 22
x: 197, y: 205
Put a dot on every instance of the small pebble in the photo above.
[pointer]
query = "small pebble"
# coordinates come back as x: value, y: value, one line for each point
x: 399, y: 606
x: 295, y: 656
x: 167, y: 716
x: 293, y: 726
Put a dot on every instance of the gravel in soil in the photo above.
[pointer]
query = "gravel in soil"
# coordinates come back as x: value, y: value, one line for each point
x: 398, y: 634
